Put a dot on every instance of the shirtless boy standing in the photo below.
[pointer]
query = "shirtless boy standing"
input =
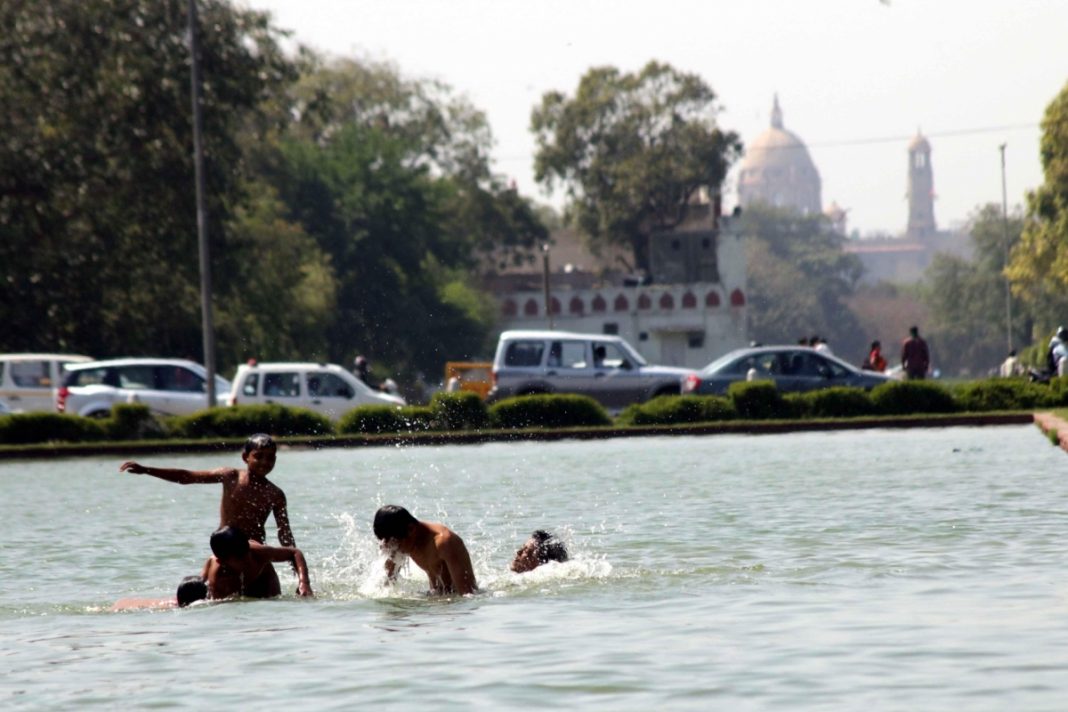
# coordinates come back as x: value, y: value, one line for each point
x: 242, y: 567
x: 434, y: 548
x: 248, y: 497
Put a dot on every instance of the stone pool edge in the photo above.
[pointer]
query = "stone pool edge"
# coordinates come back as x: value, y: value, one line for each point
x: 1051, y: 423
x: 475, y: 438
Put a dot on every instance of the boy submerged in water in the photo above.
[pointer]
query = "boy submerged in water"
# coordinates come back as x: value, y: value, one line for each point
x: 242, y: 567
x: 434, y: 548
x: 190, y: 590
x: 541, y: 548
x: 248, y: 497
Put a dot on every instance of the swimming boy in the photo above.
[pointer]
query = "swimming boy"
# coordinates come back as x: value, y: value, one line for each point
x: 190, y: 590
x: 248, y: 497
x: 434, y: 548
x: 242, y: 567
x: 541, y: 548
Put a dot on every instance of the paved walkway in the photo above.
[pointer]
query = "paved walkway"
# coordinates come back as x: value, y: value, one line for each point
x: 1051, y: 423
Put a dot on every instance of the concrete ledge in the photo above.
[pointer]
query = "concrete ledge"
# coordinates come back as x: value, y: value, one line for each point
x: 135, y: 448
x: 1050, y: 423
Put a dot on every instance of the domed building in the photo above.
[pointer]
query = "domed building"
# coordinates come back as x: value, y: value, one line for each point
x: 778, y: 171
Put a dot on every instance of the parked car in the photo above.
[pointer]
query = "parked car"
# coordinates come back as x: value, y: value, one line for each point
x: 601, y: 366
x: 28, y: 381
x: 166, y: 386
x: 323, y: 387
x: 792, y: 368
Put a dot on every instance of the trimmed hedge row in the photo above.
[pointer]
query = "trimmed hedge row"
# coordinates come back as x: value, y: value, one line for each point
x: 758, y: 400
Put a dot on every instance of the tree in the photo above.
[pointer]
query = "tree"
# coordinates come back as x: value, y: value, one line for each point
x: 98, y: 250
x: 1038, y: 268
x: 799, y: 279
x: 631, y: 150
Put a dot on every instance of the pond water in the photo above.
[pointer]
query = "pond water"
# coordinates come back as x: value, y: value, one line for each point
x: 918, y: 569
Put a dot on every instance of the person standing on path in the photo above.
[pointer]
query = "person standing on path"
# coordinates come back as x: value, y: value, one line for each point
x: 915, y: 358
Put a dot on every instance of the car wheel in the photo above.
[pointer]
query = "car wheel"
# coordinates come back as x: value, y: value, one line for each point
x: 99, y: 414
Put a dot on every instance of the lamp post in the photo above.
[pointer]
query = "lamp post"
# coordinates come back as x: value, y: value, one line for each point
x: 207, y: 321
x: 1005, y: 234
x: 545, y: 283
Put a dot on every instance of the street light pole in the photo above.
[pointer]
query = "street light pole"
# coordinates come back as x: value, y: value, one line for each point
x: 1005, y: 234
x: 545, y: 283
x: 207, y: 321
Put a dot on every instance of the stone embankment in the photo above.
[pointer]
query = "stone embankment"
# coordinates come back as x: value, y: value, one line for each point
x: 1052, y: 423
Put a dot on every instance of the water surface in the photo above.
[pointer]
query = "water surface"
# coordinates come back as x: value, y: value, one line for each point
x: 920, y: 569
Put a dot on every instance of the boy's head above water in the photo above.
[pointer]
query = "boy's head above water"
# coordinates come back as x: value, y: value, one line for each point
x: 191, y: 590
x: 393, y: 523
x: 260, y: 453
x: 541, y: 548
x: 229, y: 544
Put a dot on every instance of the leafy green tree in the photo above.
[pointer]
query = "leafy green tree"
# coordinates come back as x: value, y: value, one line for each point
x: 966, y: 298
x: 98, y: 250
x: 1038, y: 269
x: 799, y: 278
x: 631, y: 150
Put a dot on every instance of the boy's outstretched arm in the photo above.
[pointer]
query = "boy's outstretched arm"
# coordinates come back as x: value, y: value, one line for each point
x: 182, y: 477
x: 292, y: 555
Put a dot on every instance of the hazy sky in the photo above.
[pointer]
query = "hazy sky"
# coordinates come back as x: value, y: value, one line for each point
x: 856, y: 78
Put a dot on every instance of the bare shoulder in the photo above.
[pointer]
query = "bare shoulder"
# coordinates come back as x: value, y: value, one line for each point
x: 448, y: 539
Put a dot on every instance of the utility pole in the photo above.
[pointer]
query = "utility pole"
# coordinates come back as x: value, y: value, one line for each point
x: 207, y: 321
x: 1005, y: 235
x: 545, y: 283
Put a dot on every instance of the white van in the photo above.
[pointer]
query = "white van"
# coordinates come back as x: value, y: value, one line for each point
x: 27, y: 381
x: 322, y: 387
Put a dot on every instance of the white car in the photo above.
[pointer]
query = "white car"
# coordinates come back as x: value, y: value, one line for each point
x: 322, y: 387
x: 28, y: 381
x: 167, y: 386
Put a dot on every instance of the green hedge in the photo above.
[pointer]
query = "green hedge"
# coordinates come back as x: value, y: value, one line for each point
x: 375, y: 419
x: 836, y: 402
x: 26, y: 428
x: 462, y: 410
x: 1007, y: 394
x: 555, y: 410
x: 909, y: 397
x: 671, y: 410
x: 243, y: 420
x: 758, y: 400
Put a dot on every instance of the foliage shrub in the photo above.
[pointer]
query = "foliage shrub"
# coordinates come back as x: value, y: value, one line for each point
x: 907, y: 397
x: 555, y: 410
x: 27, y: 428
x: 1058, y: 391
x: 243, y: 420
x: 1005, y: 394
x: 132, y: 421
x: 836, y: 402
x: 670, y: 410
x: 372, y: 419
x: 758, y: 400
x: 459, y: 411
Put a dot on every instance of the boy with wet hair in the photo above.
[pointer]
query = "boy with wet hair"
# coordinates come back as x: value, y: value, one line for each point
x: 248, y: 497
x: 242, y: 567
x: 435, y: 548
x: 190, y: 590
x: 541, y: 548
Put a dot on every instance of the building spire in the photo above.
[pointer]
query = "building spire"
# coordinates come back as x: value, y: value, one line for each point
x: 776, y: 113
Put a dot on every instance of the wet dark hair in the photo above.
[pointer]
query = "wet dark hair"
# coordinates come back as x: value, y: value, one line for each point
x: 549, y: 547
x: 392, y: 522
x: 259, y: 441
x: 190, y: 590
x: 228, y: 543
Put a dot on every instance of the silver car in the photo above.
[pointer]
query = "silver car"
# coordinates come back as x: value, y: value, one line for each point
x: 166, y: 386
x: 792, y: 368
x: 604, y: 367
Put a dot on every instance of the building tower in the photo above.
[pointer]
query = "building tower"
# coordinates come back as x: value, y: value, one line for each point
x: 921, y: 224
x: 778, y: 170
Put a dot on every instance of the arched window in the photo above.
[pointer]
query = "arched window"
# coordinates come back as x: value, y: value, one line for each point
x: 644, y: 302
x: 530, y: 308
x: 689, y: 301
x: 667, y: 301
x: 509, y: 307
x: 554, y: 305
x: 737, y: 298
x: 712, y: 300
x: 621, y: 303
x: 576, y: 306
x: 599, y: 304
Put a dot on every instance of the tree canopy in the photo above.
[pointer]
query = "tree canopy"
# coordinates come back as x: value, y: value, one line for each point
x: 631, y: 149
